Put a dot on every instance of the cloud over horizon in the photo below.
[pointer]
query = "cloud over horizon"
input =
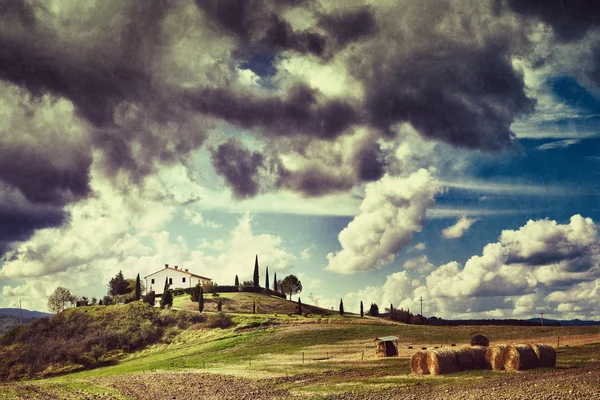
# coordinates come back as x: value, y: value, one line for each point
x: 542, y: 262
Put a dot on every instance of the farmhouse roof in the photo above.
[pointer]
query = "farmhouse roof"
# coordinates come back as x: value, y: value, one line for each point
x: 179, y: 270
x: 387, y: 338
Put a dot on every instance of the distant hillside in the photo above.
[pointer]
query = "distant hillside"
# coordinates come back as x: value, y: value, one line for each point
x: 15, y: 312
x: 10, y: 317
x: 565, y: 322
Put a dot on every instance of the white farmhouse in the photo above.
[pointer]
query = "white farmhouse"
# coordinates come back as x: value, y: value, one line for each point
x: 178, y: 278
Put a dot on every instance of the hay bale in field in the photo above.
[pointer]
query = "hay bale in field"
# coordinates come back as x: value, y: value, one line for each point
x: 418, y: 363
x: 479, y: 340
x: 545, y: 354
x: 442, y: 361
x: 494, y: 357
x: 465, y: 358
x: 518, y: 357
x: 479, y: 357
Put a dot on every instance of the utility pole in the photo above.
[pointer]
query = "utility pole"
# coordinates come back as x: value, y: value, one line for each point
x: 21, y: 312
x: 421, y: 300
x: 542, y: 315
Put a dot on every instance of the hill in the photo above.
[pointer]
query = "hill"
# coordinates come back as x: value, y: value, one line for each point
x: 16, y: 312
x: 11, y: 317
x: 242, y: 303
x: 136, y: 351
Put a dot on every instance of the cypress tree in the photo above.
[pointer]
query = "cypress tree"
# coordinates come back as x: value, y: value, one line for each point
x: 201, y: 300
x: 267, y: 278
x: 362, y: 310
x: 166, y: 299
x: 138, y: 288
x: 341, y: 307
x: 256, y: 282
x: 237, y: 281
x: 275, y: 282
x: 299, y: 306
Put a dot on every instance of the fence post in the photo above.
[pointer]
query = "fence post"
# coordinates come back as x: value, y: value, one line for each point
x: 363, y: 356
x: 249, y: 361
x: 558, y: 342
x: 302, y: 357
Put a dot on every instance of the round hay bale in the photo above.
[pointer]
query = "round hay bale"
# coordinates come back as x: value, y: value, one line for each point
x: 465, y: 358
x: 442, y: 361
x: 545, y: 354
x: 418, y: 363
x: 479, y: 340
x: 518, y: 357
x: 494, y: 357
x: 479, y: 357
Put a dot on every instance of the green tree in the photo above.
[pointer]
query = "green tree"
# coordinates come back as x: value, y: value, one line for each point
x: 117, y: 285
x: 138, y: 287
x: 341, y: 307
x: 237, y: 281
x: 275, y: 282
x: 58, y: 300
x: 150, y: 298
x: 201, y: 299
x: 256, y: 277
x: 299, y: 306
x: 374, y: 310
x: 267, y: 278
x: 166, y: 300
x: 362, y: 310
x: 291, y: 285
x: 196, y: 290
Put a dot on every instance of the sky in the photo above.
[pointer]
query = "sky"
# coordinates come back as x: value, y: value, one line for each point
x: 381, y: 151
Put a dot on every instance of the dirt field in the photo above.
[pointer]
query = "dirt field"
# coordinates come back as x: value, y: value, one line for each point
x: 572, y: 383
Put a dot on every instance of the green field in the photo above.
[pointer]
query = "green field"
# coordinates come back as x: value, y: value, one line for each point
x: 273, y: 344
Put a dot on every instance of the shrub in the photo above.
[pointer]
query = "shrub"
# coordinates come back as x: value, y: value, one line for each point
x: 150, y: 298
x: 219, y: 320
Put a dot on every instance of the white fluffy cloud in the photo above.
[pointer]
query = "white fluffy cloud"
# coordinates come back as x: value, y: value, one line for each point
x: 114, y: 231
x: 462, y: 225
x: 541, y: 264
x: 393, y: 209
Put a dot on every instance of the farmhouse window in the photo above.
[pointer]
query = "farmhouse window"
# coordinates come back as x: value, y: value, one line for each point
x: 152, y: 280
x: 183, y: 279
x: 170, y: 281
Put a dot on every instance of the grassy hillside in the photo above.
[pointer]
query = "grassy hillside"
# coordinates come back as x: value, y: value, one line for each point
x: 241, y: 303
x: 87, y: 337
x: 310, y: 354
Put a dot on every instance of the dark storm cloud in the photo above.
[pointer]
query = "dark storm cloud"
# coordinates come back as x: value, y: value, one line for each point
x: 461, y: 95
x: 349, y: 26
x: 240, y: 167
x: 20, y: 218
x: 571, y: 19
x: 368, y: 158
x: 299, y: 111
x: 315, y: 180
x: 257, y: 23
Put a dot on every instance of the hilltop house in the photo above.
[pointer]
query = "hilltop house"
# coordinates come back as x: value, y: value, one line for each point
x: 178, y: 278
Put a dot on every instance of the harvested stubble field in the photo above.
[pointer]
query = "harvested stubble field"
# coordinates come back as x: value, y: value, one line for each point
x: 261, y: 358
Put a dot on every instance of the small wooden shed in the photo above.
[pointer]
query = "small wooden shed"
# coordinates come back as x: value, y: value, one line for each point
x: 387, y: 346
